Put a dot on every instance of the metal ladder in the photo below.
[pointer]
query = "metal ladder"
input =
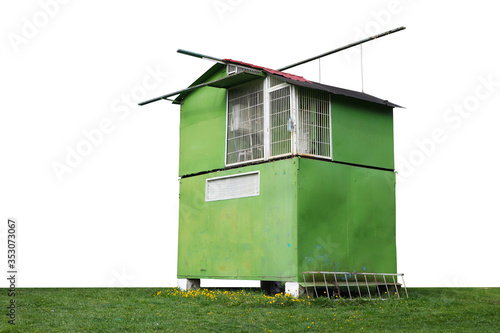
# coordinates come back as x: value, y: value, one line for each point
x: 341, y: 279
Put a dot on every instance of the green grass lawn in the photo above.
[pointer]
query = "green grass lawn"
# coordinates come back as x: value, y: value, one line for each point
x: 249, y: 310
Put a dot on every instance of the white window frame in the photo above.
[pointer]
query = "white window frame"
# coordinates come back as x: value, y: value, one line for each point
x: 297, y: 128
x: 294, y: 102
x: 294, y: 114
x: 331, y: 128
x: 227, y: 120
x: 268, y: 116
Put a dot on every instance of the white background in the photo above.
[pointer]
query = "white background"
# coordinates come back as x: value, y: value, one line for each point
x: 111, y: 218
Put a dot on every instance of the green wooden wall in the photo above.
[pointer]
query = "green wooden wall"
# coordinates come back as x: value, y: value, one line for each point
x: 244, y: 238
x: 346, y: 218
x: 203, y: 130
x: 310, y: 215
x: 362, y: 133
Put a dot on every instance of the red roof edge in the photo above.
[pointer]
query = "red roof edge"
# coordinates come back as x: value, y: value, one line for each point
x: 269, y: 70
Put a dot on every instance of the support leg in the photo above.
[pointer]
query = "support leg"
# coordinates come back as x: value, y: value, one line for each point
x: 188, y: 284
x: 294, y: 289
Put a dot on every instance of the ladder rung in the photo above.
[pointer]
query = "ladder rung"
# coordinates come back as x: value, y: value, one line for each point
x: 344, y: 284
x: 350, y: 283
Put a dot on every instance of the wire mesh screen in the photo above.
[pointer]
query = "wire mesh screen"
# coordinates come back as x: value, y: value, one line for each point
x: 279, y: 105
x: 231, y: 187
x: 233, y: 69
x: 245, y: 125
x: 313, y: 123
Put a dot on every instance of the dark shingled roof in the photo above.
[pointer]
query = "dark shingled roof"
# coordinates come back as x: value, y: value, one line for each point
x: 302, y: 82
x: 290, y: 78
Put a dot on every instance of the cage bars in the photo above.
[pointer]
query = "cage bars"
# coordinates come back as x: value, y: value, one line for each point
x: 279, y: 102
x: 313, y: 123
x: 245, y: 128
x: 271, y: 119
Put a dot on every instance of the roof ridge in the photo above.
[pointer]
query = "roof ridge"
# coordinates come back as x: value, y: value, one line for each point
x: 269, y: 70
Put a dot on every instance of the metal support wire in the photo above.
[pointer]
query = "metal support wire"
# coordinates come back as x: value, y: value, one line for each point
x: 343, y: 48
x: 362, y: 81
x: 319, y: 70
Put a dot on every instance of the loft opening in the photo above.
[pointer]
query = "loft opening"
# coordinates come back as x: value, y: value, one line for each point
x: 270, y: 118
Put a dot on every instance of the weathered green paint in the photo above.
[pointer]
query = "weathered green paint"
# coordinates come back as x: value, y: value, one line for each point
x: 346, y: 218
x: 362, y: 133
x: 202, y: 129
x: 310, y: 215
x: 245, y: 238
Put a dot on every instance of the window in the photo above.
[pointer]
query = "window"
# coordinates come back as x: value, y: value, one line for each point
x: 269, y: 118
x: 279, y: 107
x: 245, y: 123
x: 313, y: 122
